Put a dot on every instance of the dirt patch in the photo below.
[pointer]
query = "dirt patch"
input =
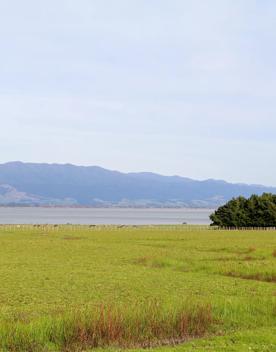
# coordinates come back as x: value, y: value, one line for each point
x: 224, y: 259
x: 73, y: 238
x: 160, y: 263
x: 235, y: 259
x: 250, y: 258
x: 239, y: 251
x: 256, y: 276
x: 142, y: 260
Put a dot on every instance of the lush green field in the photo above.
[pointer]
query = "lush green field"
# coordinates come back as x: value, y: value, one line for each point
x: 55, y: 282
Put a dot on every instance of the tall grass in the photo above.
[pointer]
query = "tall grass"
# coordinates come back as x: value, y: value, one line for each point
x: 139, y: 326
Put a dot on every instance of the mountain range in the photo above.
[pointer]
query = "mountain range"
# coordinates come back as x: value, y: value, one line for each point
x: 70, y: 185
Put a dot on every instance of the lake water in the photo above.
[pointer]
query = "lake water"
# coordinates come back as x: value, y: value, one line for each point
x: 106, y: 216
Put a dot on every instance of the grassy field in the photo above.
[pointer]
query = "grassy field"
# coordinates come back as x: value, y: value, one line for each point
x: 169, y: 288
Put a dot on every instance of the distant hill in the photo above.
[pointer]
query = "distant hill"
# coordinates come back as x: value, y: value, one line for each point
x: 54, y: 184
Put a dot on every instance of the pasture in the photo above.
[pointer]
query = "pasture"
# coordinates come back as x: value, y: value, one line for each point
x: 179, y: 288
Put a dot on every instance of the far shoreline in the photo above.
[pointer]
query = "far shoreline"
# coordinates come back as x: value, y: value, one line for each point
x: 104, y: 207
x: 111, y: 215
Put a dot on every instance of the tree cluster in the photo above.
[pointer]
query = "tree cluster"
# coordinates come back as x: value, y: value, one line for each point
x: 256, y: 211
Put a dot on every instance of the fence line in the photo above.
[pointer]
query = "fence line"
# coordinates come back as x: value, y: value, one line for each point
x: 73, y: 228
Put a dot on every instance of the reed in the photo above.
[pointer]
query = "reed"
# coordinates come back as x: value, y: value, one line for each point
x: 105, y: 326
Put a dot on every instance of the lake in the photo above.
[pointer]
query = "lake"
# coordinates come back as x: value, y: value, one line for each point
x: 104, y: 216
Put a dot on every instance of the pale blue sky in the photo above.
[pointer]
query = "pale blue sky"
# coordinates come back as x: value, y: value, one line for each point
x: 170, y: 86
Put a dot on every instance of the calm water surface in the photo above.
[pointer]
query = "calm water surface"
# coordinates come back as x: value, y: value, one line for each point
x: 97, y: 216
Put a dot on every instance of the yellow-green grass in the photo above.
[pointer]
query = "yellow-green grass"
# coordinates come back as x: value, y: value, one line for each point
x: 72, y: 288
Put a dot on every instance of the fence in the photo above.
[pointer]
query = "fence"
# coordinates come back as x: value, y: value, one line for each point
x: 73, y: 228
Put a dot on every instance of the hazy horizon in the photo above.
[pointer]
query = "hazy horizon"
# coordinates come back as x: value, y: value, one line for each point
x: 175, y: 88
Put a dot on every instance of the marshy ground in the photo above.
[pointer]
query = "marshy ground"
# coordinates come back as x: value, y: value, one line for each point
x: 76, y: 288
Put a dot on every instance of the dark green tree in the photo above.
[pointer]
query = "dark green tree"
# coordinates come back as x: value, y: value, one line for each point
x: 256, y: 211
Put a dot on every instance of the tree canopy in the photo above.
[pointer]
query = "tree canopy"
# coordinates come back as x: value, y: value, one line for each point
x: 256, y: 211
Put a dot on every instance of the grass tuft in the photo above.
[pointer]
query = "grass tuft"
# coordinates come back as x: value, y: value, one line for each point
x: 107, y: 326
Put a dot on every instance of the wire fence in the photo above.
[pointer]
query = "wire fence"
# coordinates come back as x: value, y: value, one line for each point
x: 75, y: 228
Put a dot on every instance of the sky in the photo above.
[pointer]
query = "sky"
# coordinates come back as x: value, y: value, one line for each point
x: 177, y: 87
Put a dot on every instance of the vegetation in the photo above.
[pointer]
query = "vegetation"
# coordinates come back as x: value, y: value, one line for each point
x: 69, y: 288
x: 257, y: 211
